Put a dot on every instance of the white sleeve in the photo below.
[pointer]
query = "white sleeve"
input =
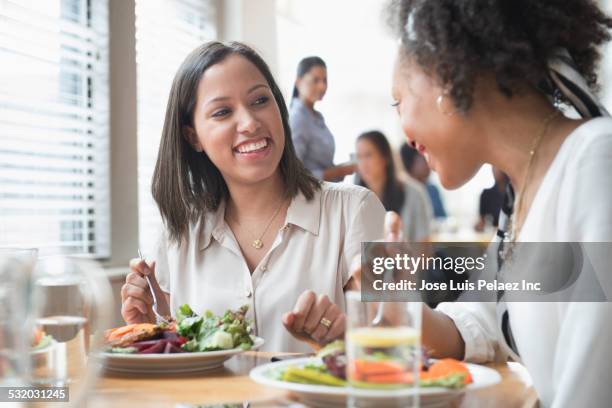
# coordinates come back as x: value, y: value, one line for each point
x: 583, y: 358
x: 477, y: 324
x: 581, y: 373
x: 587, y: 199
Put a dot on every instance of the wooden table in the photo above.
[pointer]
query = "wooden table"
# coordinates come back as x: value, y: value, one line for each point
x: 231, y: 384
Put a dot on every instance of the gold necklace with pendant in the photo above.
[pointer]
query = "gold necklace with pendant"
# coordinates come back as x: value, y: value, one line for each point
x: 518, y: 210
x: 257, y: 242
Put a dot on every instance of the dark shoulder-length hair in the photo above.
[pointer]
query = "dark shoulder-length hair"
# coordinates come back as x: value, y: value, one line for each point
x: 186, y: 184
x: 393, y: 194
x: 305, y: 65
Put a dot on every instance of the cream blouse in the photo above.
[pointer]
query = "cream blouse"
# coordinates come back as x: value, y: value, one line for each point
x: 313, y: 250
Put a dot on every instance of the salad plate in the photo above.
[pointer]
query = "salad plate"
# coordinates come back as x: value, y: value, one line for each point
x: 172, y: 363
x: 45, y: 344
x: 189, y: 343
x: 319, y: 395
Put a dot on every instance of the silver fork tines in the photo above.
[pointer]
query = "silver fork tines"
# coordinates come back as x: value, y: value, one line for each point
x: 158, y: 317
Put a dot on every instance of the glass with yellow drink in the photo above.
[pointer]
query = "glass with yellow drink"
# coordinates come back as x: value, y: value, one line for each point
x: 383, y: 343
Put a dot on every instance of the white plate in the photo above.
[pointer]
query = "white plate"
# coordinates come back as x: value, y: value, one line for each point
x: 328, y: 396
x: 171, y: 363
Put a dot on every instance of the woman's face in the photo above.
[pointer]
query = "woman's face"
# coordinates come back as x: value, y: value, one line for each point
x: 237, y: 122
x: 313, y: 84
x: 370, y: 163
x: 443, y: 136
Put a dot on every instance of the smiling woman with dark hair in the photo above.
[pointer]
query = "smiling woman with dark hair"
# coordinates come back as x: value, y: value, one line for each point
x: 245, y: 222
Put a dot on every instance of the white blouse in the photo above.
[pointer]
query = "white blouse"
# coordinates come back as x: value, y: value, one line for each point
x: 567, y: 347
x: 313, y: 250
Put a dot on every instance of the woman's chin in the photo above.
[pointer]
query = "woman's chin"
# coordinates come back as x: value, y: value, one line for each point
x: 453, y: 179
x: 257, y: 176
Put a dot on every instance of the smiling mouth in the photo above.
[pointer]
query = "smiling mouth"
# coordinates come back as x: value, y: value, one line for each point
x: 252, y: 147
x: 418, y: 147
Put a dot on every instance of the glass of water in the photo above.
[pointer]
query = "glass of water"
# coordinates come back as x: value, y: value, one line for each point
x: 15, y: 312
x: 72, y: 302
x: 383, y: 344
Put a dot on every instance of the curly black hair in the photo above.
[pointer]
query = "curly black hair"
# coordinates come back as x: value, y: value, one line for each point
x: 513, y: 39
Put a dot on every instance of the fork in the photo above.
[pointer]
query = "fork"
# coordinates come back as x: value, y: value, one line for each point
x: 158, y: 317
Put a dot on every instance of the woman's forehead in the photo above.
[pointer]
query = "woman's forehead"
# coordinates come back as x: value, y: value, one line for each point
x: 317, y: 70
x: 234, y: 73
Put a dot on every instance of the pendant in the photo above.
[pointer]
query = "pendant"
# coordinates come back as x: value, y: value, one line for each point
x: 257, y: 244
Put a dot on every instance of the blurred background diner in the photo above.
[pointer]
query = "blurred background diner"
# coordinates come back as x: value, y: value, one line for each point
x: 314, y: 143
x: 84, y: 86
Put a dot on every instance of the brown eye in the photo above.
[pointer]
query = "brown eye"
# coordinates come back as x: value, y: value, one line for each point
x: 220, y: 113
x: 262, y: 100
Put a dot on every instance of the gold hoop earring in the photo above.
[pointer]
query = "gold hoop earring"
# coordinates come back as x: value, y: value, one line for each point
x: 441, y: 108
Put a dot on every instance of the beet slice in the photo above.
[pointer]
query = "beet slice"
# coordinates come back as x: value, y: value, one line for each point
x: 155, y: 348
x: 173, y: 348
x: 141, y: 345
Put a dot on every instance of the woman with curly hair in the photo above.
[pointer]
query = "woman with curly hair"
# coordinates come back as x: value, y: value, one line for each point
x: 482, y: 81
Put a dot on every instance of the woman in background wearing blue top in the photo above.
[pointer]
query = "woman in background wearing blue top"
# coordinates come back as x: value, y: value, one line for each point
x: 314, y: 143
x: 417, y: 167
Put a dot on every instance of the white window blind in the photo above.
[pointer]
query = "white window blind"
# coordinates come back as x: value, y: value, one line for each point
x: 166, y: 31
x: 54, y: 126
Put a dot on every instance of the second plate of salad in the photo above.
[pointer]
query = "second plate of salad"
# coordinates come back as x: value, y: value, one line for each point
x: 320, y: 381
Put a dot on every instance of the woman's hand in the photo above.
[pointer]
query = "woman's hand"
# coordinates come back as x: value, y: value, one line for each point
x: 315, y: 320
x: 136, y: 299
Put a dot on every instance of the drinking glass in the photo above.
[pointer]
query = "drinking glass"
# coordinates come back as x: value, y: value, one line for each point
x: 383, y: 343
x: 15, y: 311
x: 72, y: 302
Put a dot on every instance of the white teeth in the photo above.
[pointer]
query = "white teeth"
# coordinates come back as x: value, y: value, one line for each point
x: 250, y: 147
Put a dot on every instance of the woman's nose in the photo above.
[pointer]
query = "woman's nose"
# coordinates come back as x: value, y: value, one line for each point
x: 248, y: 123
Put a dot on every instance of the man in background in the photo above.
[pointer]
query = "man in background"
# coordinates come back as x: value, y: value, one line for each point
x: 417, y: 167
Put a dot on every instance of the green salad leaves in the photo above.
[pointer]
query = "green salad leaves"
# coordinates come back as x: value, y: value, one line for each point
x: 208, y: 332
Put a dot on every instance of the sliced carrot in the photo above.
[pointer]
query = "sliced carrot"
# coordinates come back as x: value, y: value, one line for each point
x: 365, y: 368
x: 446, y: 367
x: 118, y: 332
x: 395, y: 378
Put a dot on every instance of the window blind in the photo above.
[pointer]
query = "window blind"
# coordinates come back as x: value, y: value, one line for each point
x: 166, y: 31
x: 54, y: 125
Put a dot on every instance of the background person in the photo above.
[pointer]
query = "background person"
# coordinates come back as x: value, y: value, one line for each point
x: 314, y: 143
x: 491, y: 200
x: 376, y: 172
x: 419, y: 170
